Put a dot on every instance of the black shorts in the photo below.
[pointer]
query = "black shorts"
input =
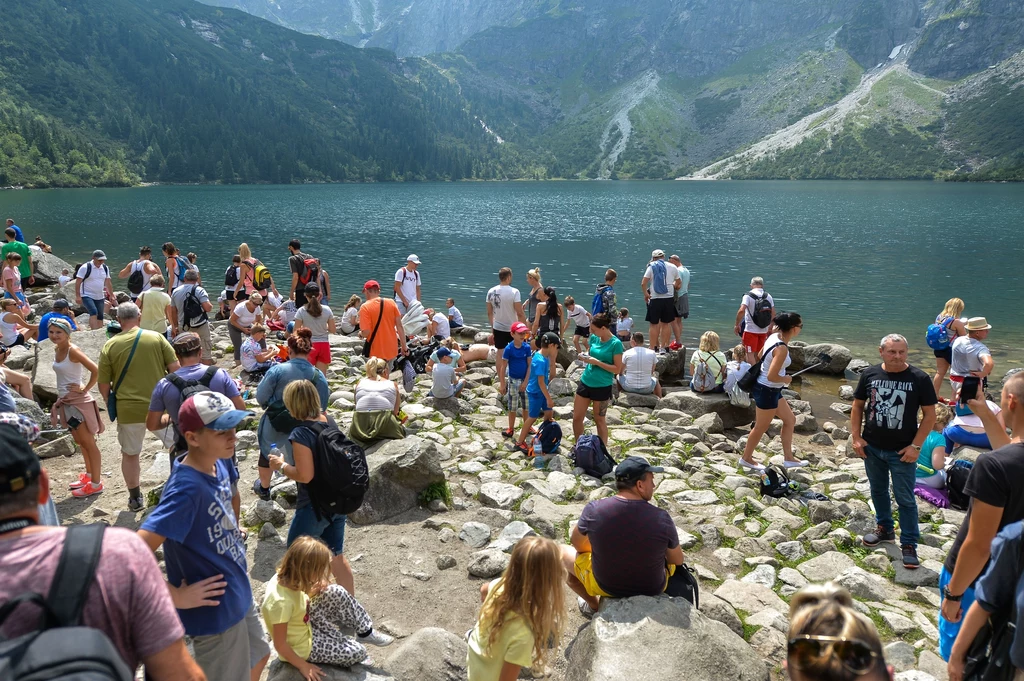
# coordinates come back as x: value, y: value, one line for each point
x: 661, y: 311
x: 582, y: 331
x: 596, y: 394
x: 946, y: 354
x: 502, y: 338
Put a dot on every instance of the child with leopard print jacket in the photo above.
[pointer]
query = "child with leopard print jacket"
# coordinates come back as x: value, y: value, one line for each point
x: 305, y: 613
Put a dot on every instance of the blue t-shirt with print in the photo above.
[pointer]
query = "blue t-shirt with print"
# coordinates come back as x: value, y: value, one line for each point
x: 203, y: 540
x: 517, y: 359
x: 538, y: 369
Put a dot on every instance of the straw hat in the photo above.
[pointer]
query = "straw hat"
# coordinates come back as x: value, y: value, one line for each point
x: 978, y: 324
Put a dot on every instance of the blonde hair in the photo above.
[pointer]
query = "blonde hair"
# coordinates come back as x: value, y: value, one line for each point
x: 302, y: 401
x: 954, y: 308
x: 244, y: 252
x: 709, y: 342
x: 739, y: 353
x: 374, y: 367
x: 534, y: 274
x: 256, y: 299
x: 943, y: 414
x: 532, y: 588
x: 306, y: 565
x: 8, y: 302
x: 354, y: 301
x: 827, y: 610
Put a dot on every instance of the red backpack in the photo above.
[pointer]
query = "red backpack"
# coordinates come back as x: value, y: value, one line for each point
x: 310, y: 271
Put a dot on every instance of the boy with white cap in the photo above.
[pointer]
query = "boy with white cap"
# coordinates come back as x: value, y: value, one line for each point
x: 407, y: 283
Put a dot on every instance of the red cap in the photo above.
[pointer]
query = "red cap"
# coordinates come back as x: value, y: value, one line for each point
x: 519, y: 327
x: 371, y: 284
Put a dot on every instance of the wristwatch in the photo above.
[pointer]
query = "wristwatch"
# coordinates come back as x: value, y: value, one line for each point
x: 917, y: 447
x: 950, y: 597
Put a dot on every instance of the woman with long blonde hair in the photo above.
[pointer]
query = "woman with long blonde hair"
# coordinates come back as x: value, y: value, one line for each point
x: 533, y: 300
x: 523, y: 614
x: 950, y: 319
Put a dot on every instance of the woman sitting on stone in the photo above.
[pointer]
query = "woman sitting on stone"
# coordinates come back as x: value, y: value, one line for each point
x: 967, y: 429
x: 377, y: 405
x: 708, y: 366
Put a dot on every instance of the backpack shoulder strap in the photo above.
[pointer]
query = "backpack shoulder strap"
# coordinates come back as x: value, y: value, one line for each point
x: 177, y: 381
x: 208, y: 376
x: 75, y: 573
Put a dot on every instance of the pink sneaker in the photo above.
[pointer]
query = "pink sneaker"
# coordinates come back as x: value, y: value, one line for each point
x: 83, y: 478
x: 87, y: 490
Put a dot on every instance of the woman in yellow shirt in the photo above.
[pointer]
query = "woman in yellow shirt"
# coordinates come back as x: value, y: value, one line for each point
x: 305, y: 613
x: 522, y: 616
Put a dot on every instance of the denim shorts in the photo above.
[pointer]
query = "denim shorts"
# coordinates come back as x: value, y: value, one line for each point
x: 766, y: 398
x: 331, y: 530
x: 538, y: 404
x: 94, y: 307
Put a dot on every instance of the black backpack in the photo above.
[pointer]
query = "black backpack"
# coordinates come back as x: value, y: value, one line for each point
x: 748, y: 380
x: 136, y: 280
x: 775, y: 483
x: 187, y: 388
x: 762, y: 314
x: 193, y: 310
x: 592, y: 456
x: 956, y: 480
x: 61, y: 647
x: 341, y: 475
x: 231, y: 277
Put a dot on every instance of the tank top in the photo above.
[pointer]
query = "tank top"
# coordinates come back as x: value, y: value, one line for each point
x: 375, y: 395
x: 8, y: 332
x: 531, y: 306
x: 550, y: 320
x: 772, y: 341
x: 950, y: 331
x: 146, y: 276
x: 68, y: 374
x: 247, y: 281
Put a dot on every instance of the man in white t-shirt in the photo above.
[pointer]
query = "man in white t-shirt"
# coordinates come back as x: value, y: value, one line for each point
x: 661, y: 281
x: 638, y: 368
x: 407, y: 283
x: 437, y: 324
x: 755, y: 306
x: 93, y: 287
x: 971, y: 357
x: 504, y: 308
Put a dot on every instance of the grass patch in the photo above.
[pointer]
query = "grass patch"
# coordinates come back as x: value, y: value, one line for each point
x: 437, y: 490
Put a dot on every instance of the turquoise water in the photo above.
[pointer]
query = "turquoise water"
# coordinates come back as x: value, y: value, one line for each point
x: 856, y: 259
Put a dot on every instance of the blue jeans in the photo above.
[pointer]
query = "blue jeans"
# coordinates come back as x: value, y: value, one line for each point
x: 957, y: 435
x: 948, y: 630
x: 880, y: 465
x: 94, y: 307
x: 331, y: 530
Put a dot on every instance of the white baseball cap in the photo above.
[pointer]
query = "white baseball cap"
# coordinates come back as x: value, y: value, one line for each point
x: 413, y: 259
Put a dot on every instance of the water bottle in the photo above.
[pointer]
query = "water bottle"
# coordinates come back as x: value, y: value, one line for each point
x: 275, y: 451
x: 538, y: 451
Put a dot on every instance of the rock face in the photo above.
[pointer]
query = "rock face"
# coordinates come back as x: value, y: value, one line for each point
x: 807, y: 355
x: 44, y: 381
x: 282, y: 671
x: 676, y: 641
x: 48, y: 268
x: 399, y: 471
x: 968, y: 37
x: 430, y: 654
x: 714, y: 403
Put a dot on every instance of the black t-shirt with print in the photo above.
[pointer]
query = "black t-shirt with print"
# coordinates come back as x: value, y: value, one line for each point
x: 891, y: 403
x: 995, y: 480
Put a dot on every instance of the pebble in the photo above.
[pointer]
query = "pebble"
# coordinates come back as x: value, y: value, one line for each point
x: 445, y: 561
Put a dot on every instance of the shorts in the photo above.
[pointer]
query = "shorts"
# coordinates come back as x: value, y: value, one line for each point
x: 602, y: 394
x: 25, y: 282
x: 203, y: 331
x: 516, y: 397
x: 754, y: 342
x: 502, y: 338
x: 230, y: 655
x: 331, y: 530
x: 946, y: 354
x: 538, y: 405
x: 130, y: 437
x: 765, y: 397
x: 19, y: 296
x: 18, y: 340
x: 321, y: 353
x: 683, y: 305
x: 94, y: 307
x: 582, y: 567
x: 638, y: 391
x: 661, y: 311
x: 582, y: 332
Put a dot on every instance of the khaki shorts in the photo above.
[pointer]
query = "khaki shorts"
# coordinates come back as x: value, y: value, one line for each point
x: 130, y: 437
x: 205, y: 340
x: 230, y: 655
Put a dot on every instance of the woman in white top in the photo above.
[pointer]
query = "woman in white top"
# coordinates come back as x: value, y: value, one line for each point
x: 378, y: 403
x: 767, y: 392
x: 350, y: 318
x: 319, y: 319
x: 14, y: 330
x: 245, y: 314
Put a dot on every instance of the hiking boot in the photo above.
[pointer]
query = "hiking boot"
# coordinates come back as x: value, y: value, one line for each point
x: 87, y: 490
x: 260, y: 491
x: 508, y: 432
x: 135, y: 504
x: 879, y: 536
x: 376, y: 638
x: 910, y: 559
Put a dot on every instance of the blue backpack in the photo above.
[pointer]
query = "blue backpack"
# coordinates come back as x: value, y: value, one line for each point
x: 602, y: 299
x: 937, y: 336
x: 592, y: 456
x: 550, y: 435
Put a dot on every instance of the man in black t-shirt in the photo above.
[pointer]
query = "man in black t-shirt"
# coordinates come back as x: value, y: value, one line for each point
x: 885, y: 404
x: 297, y: 263
x: 997, y: 500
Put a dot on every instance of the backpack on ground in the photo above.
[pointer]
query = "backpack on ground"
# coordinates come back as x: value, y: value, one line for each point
x: 136, y: 280
x: 956, y: 480
x: 592, y: 456
x: 684, y: 584
x: 704, y: 379
x: 550, y: 435
x: 937, y: 335
x: 341, y: 475
x: 193, y: 310
x: 61, y: 647
x: 261, y: 278
x: 310, y: 271
x: 762, y: 314
x: 775, y: 482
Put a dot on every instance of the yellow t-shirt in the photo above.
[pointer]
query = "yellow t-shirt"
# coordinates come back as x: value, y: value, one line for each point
x: 514, y: 645
x: 280, y: 605
x: 154, y: 306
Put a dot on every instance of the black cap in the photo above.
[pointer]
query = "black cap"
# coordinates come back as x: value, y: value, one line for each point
x: 19, y: 465
x: 60, y: 304
x: 634, y: 468
x: 550, y: 338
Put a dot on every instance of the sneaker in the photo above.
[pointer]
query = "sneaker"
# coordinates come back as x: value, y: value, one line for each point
x: 87, y: 490
x: 910, y: 559
x: 135, y: 504
x: 377, y: 638
x: 585, y: 609
x: 675, y: 345
x: 878, y: 536
x: 260, y: 491
x: 368, y: 662
x: 508, y: 432
x: 83, y: 478
x: 523, y: 449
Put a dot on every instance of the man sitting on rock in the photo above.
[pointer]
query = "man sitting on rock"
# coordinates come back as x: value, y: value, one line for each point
x: 622, y: 545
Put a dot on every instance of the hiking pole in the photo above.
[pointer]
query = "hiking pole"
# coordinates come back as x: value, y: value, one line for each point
x: 822, y: 361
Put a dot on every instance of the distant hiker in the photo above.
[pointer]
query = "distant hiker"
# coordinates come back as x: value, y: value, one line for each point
x: 140, y: 272
x: 949, y: 320
x: 538, y: 391
x: 92, y: 287
x: 350, y: 318
x: 455, y: 320
x: 708, y: 366
x: 155, y: 306
x: 304, y: 270
x: 532, y: 300
x: 16, y: 244
x: 257, y: 359
x: 605, y: 301
x: 64, y: 278
x: 517, y: 356
x: 661, y: 280
x: 549, y: 313
x: 754, y: 318
x: 446, y: 383
x: 971, y: 357
x: 14, y: 328
x: 407, y: 283
x: 625, y: 325
x: 17, y: 230
x: 325, y: 285
x: 176, y: 265
x: 581, y: 319
x: 681, y: 300
x: 504, y: 308
x: 245, y: 314
x: 43, y: 246
x: 12, y: 283
x: 378, y: 403
x: 254, y: 277
x: 190, y: 310
x: 604, y: 363
x: 192, y: 257
x: 437, y: 324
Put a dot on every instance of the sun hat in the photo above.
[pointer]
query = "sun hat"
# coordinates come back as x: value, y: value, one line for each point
x: 634, y: 468
x: 978, y: 324
x: 657, y: 253
x: 414, y: 259
x: 209, y: 410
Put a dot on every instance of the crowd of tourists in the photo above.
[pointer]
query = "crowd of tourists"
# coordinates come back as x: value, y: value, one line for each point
x: 156, y: 373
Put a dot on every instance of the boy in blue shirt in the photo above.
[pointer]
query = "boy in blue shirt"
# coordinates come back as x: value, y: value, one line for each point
x: 206, y: 566
x: 542, y: 370
x: 517, y: 358
x: 61, y: 310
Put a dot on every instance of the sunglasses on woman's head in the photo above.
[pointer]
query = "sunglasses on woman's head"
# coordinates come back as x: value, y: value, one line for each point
x: 855, y: 655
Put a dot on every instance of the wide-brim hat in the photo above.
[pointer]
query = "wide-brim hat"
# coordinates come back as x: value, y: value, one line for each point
x: 978, y: 324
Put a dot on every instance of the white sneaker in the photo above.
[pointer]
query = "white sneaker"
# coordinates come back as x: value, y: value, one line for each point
x: 376, y: 638
x: 585, y: 608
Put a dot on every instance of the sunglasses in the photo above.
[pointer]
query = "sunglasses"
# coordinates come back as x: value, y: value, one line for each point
x: 855, y: 655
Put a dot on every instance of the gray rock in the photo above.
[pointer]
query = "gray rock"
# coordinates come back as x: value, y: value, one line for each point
x: 807, y: 355
x: 627, y: 399
x: 476, y: 535
x: 790, y: 550
x: 430, y: 654
x: 846, y: 393
x: 268, y: 531
x: 499, y: 495
x: 279, y: 670
x: 806, y: 424
x: 715, y: 608
x: 823, y: 511
x: 677, y: 642
x: 901, y: 655
x: 697, y: 497
x: 863, y: 585
x: 930, y: 663
x: 925, y: 575
x: 711, y: 423
x: 445, y: 561
x: 44, y: 381
x: 792, y: 578
x: 446, y: 535
x: 265, y: 512
x: 47, y: 269
x: 770, y: 644
x: 914, y: 675
x: 841, y: 407
x: 822, y: 439
x: 698, y: 405
x: 898, y: 623
x: 488, y: 563
x: 825, y: 566
x: 32, y: 410
x: 62, y: 446
x: 399, y: 471
x: 510, y: 535
x: 749, y: 597
x: 840, y: 434
x: 762, y: 574
x: 287, y: 490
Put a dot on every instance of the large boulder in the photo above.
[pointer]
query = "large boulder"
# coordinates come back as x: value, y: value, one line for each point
x: 696, y: 405
x: 672, y: 365
x: 431, y: 654
x: 47, y: 267
x: 399, y: 471
x: 807, y: 355
x: 282, y: 671
x: 44, y: 380
x: 672, y: 639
